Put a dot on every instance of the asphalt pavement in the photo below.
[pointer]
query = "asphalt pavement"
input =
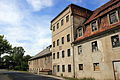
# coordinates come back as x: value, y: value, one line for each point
x: 9, y: 75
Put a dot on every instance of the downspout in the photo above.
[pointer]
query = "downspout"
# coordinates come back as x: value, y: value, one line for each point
x: 72, y: 39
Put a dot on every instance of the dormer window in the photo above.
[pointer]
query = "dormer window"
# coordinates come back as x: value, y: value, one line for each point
x: 113, y: 17
x: 79, y: 32
x: 94, y: 26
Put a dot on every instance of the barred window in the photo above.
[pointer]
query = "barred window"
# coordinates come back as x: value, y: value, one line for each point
x: 69, y: 68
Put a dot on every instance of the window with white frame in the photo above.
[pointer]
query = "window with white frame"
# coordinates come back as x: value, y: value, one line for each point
x: 94, y: 26
x: 113, y: 17
x: 115, y: 41
x: 79, y: 32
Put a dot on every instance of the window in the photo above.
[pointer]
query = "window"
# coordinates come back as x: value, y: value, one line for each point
x: 94, y: 26
x: 63, y: 54
x: 67, y: 18
x: 68, y: 37
x: 58, y: 68
x: 80, y: 66
x: 115, y: 41
x: 68, y: 51
x: 96, y: 66
x: 57, y: 25
x: 53, y: 55
x: 113, y: 17
x: 62, y: 22
x: 79, y: 49
x: 53, y: 28
x: 63, y: 68
x: 54, y: 44
x: 69, y: 68
x: 79, y: 32
x: 57, y: 54
x: 62, y: 40
x: 58, y: 42
x: 94, y: 46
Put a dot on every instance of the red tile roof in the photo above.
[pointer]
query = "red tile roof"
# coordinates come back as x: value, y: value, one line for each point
x: 103, y: 10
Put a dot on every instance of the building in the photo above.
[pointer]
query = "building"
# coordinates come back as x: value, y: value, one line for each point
x: 86, y: 43
x: 97, y: 49
x: 42, y: 62
x: 63, y: 29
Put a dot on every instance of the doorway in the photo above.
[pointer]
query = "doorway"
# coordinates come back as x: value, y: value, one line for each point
x: 116, y: 65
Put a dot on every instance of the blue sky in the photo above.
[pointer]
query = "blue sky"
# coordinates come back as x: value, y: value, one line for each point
x: 26, y: 23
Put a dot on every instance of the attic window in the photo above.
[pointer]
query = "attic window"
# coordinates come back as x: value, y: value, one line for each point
x: 113, y: 17
x: 79, y: 32
x: 94, y: 26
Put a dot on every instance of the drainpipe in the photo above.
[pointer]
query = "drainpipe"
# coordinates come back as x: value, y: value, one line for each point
x: 72, y: 39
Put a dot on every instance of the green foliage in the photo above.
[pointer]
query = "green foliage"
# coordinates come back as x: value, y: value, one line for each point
x: 15, y: 58
x: 5, y: 47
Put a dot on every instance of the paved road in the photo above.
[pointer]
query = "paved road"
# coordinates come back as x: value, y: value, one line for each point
x: 5, y: 75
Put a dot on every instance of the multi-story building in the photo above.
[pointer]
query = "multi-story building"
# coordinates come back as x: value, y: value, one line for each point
x: 86, y: 43
x: 97, y: 47
x: 42, y: 62
x: 63, y: 29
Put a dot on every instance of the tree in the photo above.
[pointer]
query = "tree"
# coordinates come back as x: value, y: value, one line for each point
x: 5, y: 47
x: 17, y: 55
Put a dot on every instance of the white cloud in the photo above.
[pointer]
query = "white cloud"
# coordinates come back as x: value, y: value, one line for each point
x: 37, y: 5
x: 9, y: 12
x: 22, y: 28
